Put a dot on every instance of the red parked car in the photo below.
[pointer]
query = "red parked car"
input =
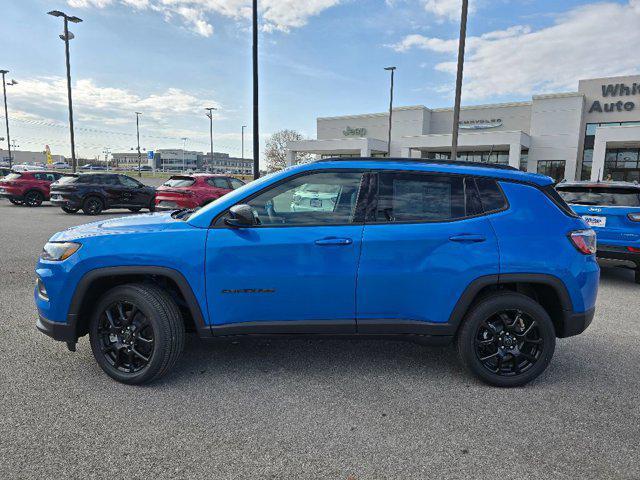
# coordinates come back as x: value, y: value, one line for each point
x: 192, y: 191
x: 29, y: 188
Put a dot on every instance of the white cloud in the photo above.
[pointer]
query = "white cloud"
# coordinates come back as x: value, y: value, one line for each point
x: 445, y: 9
x: 281, y: 15
x: 594, y: 40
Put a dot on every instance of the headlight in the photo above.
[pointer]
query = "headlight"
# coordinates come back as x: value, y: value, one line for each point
x: 58, y: 251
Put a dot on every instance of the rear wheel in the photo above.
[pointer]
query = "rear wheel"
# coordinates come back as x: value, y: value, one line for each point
x: 136, y: 333
x: 15, y: 202
x: 506, y: 340
x: 135, y: 209
x: 92, y: 206
x: 152, y: 205
x: 638, y: 274
x: 69, y: 209
x: 33, y: 199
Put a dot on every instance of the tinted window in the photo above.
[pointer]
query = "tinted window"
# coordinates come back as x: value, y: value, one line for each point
x: 179, y: 182
x: 129, y: 182
x: 47, y: 177
x: 327, y: 198
x: 235, y: 183
x: 414, y: 197
x: 491, y: 195
x: 625, y: 197
x: 218, y: 182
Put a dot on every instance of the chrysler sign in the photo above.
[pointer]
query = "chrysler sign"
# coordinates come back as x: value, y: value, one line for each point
x: 480, y: 124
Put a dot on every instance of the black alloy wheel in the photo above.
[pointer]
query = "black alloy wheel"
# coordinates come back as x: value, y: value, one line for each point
x: 126, y: 337
x: 15, y: 202
x: 136, y: 332
x: 92, y: 206
x: 69, y: 209
x: 507, y: 339
x: 509, y: 343
x: 33, y: 199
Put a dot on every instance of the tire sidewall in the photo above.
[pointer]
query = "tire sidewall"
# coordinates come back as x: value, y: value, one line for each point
x: 486, y: 309
x: 39, y: 198
x: 85, y: 205
x: 125, y: 294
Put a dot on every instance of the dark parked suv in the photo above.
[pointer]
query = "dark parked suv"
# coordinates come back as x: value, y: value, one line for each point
x: 95, y: 192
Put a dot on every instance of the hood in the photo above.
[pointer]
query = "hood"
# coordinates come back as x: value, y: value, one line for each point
x: 152, y: 222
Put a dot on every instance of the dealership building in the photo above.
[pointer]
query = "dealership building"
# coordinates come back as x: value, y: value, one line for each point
x: 589, y: 134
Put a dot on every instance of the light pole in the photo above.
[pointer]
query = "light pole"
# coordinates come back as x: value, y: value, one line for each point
x: 6, y: 111
x: 138, y: 137
x: 210, y: 115
x: 184, y: 145
x: 66, y: 36
x: 242, y: 147
x: 456, y: 108
x: 106, y: 152
x: 392, y: 70
x: 256, y: 130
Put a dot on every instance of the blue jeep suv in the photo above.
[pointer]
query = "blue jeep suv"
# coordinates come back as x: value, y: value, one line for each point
x: 489, y: 258
x: 612, y: 209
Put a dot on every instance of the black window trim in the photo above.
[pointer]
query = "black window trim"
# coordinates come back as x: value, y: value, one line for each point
x: 359, y: 199
x: 370, y: 203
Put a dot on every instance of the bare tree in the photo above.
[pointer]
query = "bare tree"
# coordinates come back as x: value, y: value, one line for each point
x: 276, y: 150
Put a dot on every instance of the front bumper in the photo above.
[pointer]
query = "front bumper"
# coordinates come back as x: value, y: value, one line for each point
x: 63, y: 332
x: 9, y: 194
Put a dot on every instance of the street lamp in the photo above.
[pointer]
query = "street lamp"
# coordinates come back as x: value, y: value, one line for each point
x: 184, y: 146
x: 242, y: 148
x: 456, y: 108
x: 6, y: 111
x: 138, y: 137
x: 256, y: 130
x: 210, y: 115
x: 392, y: 70
x: 66, y: 36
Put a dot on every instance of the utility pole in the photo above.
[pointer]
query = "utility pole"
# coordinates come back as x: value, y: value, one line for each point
x: 66, y: 36
x: 456, y: 108
x: 242, y: 147
x: 392, y: 70
x: 6, y: 111
x: 138, y: 137
x: 184, y: 145
x: 106, y: 152
x: 256, y: 129
x: 210, y: 115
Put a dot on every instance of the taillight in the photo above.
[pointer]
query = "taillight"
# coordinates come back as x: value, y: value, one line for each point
x: 633, y: 249
x: 584, y: 241
x: 634, y: 217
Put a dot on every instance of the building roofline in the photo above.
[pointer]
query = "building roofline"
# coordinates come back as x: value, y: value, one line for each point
x: 381, y: 114
x: 610, y: 79
x: 485, y: 106
x: 557, y: 95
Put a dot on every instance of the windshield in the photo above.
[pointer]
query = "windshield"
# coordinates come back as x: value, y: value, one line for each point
x: 12, y: 176
x: 179, y: 182
x: 620, y: 197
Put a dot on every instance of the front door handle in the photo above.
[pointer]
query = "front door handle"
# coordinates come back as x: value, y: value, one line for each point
x: 333, y: 241
x: 468, y: 238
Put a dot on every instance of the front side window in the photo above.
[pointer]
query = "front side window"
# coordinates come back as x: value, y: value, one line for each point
x: 218, y: 182
x: 418, y: 197
x: 128, y: 182
x: 323, y: 198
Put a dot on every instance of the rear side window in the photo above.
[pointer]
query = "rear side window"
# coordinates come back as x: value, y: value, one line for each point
x: 614, y: 196
x: 415, y: 197
x: 491, y: 195
x: 218, y: 182
x: 235, y: 183
x: 179, y: 182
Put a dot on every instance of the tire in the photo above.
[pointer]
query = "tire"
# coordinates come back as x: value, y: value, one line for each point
x: 69, y: 210
x: 33, y: 198
x: 135, y: 209
x: 510, y: 356
x: 152, y: 205
x: 638, y: 274
x: 92, y: 206
x: 158, y: 319
x: 15, y: 202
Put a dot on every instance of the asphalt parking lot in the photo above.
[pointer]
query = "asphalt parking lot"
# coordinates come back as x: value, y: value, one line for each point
x: 294, y: 408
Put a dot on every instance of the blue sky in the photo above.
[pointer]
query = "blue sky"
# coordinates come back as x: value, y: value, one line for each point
x: 170, y: 59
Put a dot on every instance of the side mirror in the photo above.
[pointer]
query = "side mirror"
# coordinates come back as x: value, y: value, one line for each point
x: 240, y: 216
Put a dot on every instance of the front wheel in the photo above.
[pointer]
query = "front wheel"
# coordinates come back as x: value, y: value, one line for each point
x: 136, y: 333
x: 33, y: 199
x: 506, y: 340
x: 69, y: 210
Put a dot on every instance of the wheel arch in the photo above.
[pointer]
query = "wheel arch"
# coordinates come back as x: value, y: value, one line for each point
x: 547, y: 290
x: 96, y: 282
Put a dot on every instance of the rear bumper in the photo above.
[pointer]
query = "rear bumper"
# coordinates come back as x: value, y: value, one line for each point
x: 576, y: 323
x: 614, y: 252
x: 173, y: 203
x: 71, y: 202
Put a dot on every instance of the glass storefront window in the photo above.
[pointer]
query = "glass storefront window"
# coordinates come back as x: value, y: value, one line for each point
x: 628, y: 158
x: 622, y: 165
x: 552, y: 168
x: 587, y: 162
x: 591, y: 128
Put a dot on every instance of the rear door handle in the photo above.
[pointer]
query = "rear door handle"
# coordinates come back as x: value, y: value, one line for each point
x: 333, y: 241
x: 468, y: 238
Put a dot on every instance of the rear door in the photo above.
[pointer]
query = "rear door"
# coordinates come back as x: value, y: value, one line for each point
x: 424, y: 241
x: 133, y: 192
x: 219, y: 186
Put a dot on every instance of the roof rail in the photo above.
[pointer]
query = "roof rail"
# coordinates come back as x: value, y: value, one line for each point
x: 420, y: 160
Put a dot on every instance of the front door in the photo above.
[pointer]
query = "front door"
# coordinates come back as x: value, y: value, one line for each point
x: 295, y: 271
x: 424, y: 242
